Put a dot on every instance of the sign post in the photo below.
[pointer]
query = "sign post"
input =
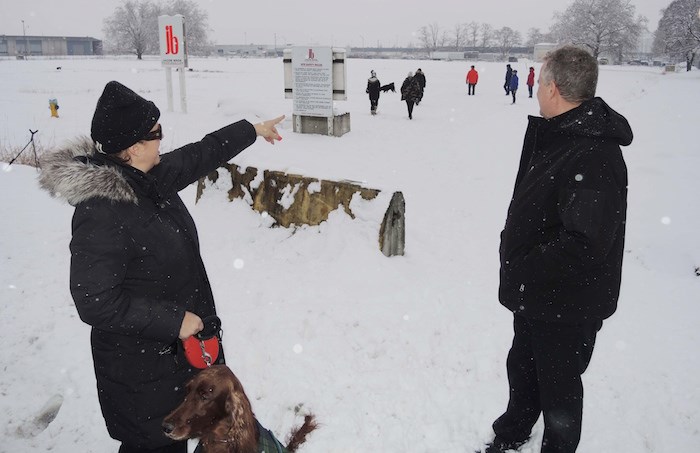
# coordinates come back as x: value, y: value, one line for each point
x: 171, y: 33
x: 314, y: 76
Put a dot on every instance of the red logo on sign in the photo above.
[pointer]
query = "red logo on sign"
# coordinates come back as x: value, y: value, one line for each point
x: 172, y: 45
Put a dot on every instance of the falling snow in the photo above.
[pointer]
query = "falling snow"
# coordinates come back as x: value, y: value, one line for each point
x: 392, y: 354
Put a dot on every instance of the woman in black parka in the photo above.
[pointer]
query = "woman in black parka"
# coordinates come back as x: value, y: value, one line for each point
x: 411, y: 93
x: 136, y: 274
x: 373, y: 89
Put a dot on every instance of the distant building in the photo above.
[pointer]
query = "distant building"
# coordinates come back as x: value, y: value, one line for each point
x: 11, y: 45
x: 449, y: 56
x: 542, y: 48
x: 244, y: 50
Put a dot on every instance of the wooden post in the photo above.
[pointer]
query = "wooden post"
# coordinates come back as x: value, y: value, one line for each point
x: 183, y: 91
x: 169, y: 87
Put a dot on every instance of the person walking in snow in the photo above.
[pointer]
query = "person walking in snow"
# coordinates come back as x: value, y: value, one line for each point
x: 472, y: 80
x: 420, y: 78
x: 373, y: 88
x: 530, y: 81
x: 514, y: 84
x: 561, y: 251
x: 410, y: 92
x: 509, y: 74
x: 136, y: 274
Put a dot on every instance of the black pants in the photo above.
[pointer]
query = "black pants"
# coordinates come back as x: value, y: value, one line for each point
x: 507, y: 87
x: 373, y: 104
x: 529, y: 90
x: 544, y: 367
x: 513, y: 93
x: 409, y: 104
x: 472, y: 89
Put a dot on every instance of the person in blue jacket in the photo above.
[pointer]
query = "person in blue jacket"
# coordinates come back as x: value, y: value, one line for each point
x: 514, y: 84
x: 509, y: 74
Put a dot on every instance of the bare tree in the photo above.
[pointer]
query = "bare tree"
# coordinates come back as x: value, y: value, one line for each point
x: 599, y: 25
x: 472, y: 33
x: 678, y: 33
x: 444, y: 39
x: 486, y: 35
x: 534, y: 36
x: 429, y: 36
x: 459, y: 36
x: 506, y: 38
x: 133, y: 28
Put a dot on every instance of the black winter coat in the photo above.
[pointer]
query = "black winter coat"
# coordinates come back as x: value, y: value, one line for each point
x: 373, y: 87
x: 420, y: 78
x: 135, y: 269
x: 410, y: 90
x: 562, y: 245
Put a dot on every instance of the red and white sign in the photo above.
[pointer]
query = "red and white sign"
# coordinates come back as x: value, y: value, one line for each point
x: 171, y: 33
x: 312, y: 73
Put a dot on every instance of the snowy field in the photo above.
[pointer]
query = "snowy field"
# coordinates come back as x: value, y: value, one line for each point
x: 403, y: 354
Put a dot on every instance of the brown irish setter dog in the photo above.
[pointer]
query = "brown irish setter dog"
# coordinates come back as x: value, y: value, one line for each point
x: 218, y: 412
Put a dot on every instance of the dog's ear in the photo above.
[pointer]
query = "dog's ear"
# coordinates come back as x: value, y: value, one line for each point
x: 229, y: 400
x: 243, y: 421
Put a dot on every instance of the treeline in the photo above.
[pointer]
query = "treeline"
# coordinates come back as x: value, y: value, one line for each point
x: 601, y: 26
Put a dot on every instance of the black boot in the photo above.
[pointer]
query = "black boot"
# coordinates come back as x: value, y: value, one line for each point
x: 499, y: 445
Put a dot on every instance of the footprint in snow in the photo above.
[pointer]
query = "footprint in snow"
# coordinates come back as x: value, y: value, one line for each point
x: 41, y: 420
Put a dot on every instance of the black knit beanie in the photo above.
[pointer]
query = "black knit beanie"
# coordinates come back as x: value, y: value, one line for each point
x: 121, y: 118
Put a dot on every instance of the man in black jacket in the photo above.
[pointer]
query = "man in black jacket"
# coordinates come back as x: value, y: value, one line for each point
x: 561, y: 251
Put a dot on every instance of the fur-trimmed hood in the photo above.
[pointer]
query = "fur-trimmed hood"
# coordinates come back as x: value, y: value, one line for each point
x: 77, y: 172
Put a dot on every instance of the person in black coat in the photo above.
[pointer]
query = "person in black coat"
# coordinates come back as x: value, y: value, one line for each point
x: 136, y: 274
x: 509, y: 74
x: 373, y: 89
x: 410, y: 92
x: 561, y: 251
x: 420, y: 78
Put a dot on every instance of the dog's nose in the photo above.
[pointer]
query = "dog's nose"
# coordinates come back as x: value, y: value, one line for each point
x: 168, y: 428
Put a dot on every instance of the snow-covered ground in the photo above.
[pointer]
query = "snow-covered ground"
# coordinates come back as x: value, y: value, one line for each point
x: 402, y: 354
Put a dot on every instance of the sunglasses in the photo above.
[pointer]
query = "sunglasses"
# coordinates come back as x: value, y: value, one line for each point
x: 154, y: 135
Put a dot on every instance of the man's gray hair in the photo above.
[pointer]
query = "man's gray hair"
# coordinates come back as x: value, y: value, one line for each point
x: 574, y: 71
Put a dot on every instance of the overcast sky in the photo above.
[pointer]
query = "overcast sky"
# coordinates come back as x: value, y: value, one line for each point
x: 346, y: 23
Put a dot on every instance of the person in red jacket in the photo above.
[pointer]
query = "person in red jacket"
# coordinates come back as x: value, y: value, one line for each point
x: 530, y: 80
x: 472, y: 79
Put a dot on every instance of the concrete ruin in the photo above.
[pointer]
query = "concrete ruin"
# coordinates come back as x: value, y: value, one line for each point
x: 293, y: 200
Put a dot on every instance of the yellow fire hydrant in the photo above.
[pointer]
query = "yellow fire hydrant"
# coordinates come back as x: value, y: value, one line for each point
x: 53, y: 106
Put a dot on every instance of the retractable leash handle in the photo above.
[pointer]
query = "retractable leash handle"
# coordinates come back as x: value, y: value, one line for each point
x: 202, y: 349
x: 212, y: 326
